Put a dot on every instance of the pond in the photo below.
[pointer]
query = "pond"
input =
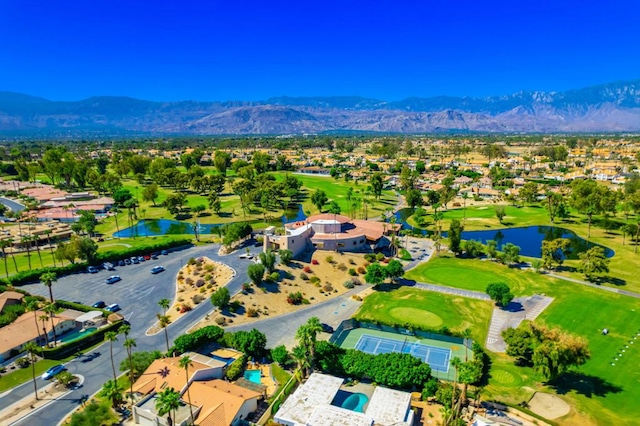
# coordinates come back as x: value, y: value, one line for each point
x: 528, y: 238
x: 156, y: 227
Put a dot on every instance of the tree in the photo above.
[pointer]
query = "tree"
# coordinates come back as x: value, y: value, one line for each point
x: 185, y: 362
x: 87, y: 248
x: 500, y: 213
x: 592, y: 262
x: 455, y: 236
x: 167, y: 403
x: 51, y: 309
x: 48, y: 278
x: 65, y: 378
x: 319, y: 199
x: 529, y: 192
x: 163, y: 322
x: 113, y: 392
x: 32, y: 349
x: 129, y: 344
x: 164, y: 304
x: 500, y: 293
x: 140, y: 361
x: 175, y: 202
x: 112, y: 336
x: 492, y: 249
x: 280, y: 355
x: 268, y: 260
x: 375, y: 274
x: 150, y: 193
x: 590, y: 198
x: 414, y: 198
x: 394, y: 269
x: 33, y: 306
x: 473, y: 248
x: 511, y: 253
x: 221, y: 161
x: 519, y: 344
x: 214, y: 202
x: 252, y: 343
x: 4, y: 244
x: 285, y: 256
x: 377, y: 183
x: 306, y: 336
x: 256, y: 272
x: 553, y: 252
x: 220, y: 298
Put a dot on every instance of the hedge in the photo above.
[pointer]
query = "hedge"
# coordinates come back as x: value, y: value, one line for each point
x: 236, y: 368
x: 33, y: 275
x: 70, y: 348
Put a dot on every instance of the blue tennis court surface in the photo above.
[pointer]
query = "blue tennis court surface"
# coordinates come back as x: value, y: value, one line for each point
x: 437, y: 358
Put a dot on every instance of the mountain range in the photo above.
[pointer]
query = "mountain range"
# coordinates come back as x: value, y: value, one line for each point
x: 613, y: 107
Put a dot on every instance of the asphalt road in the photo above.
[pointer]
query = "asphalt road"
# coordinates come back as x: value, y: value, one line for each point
x: 13, y: 205
x: 137, y: 294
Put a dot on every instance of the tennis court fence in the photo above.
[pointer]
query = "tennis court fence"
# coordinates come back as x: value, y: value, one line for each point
x: 345, y: 326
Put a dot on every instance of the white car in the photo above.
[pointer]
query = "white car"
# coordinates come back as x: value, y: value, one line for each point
x: 157, y: 269
x: 246, y: 256
x: 53, y: 371
x: 113, y: 279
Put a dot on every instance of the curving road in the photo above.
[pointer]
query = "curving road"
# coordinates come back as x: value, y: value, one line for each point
x: 12, y: 205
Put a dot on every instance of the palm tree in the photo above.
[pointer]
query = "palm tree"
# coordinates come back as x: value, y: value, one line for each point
x: 48, y: 279
x: 164, y: 304
x: 164, y: 323
x: 112, y: 336
x: 185, y: 362
x: 4, y: 244
x: 111, y: 390
x: 124, y: 329
x: 306, y: 336
x: 32, y: 306
x: 32, y: 348
x: 44, y: 319
x: 300, y: 355
x: 15, y: 264
x: 51, y: 310
x: 48, y: 234
x: 115, y: 212
x: 37, y: 241
x: 467, y: 335
x: 26, y: 240
x: 168, y: 401
x: 129, y: 344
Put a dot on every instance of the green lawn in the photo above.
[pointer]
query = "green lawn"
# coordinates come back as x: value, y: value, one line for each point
x: 606, y: 393
x: 427, y: 310
x: 280, y: 374
x: 21, y: 375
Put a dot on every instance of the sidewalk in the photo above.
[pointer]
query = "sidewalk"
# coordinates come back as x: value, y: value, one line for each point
x: 29, y: 405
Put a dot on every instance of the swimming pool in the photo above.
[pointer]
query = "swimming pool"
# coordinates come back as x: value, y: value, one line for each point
x: 252, y: 376
x: 77, y: 334
x: 355, y: 402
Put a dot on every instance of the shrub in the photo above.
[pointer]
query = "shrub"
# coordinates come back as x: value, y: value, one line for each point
x: 236, y: 368
x: 370, y: 257
x: 185, y: 308
x: 23, y: 362
x: 304, y: 276
x: 327, y: 287
x: 221, y: 320
x: 294, y: 298
x: 200, y: 337
x: 361, y: 270
x: 246, y: 287
x: 314, y: 280
x: 329, y: 259
x: 307, y: 270
x: 208, y: 277
x: 252, y: 312
x: 352, y: 262
x: 315, y: 262
x: 274, y: 276
x: 349, y: 284
x: 196, y: 299
x: 209, y: 268
x: 342, y: 267
x: 280, y: 355
x: 379, y: 257
x: 199, y: 283
x: 356, y: 281
x: 352, y: 272
x: 188, y: 281
x: 191, y: 261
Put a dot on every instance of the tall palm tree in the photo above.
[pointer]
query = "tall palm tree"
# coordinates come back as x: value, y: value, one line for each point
x: 306, y: 336
x: 48, y: 278
x: 299, y: 353
x: 51, y: 310
x: 26, y: 240
x: 168, y: 402
x: 124, y: 329
x: 31, y: 349
x: 115, y: 212
x: 15, y: 264
x: 164, y: 304
x: 4, y: 244
x: 44, y: 319
x: 129, y: 344
x: 164, y: 322
x: 48, y: 234
x: 32, y: 306
x: 37, y: 241
x: 112, y: 390
x: 112, y: 336
x: 185, y: 362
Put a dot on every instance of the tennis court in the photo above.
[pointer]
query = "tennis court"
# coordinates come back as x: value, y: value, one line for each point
x: 437, y: 358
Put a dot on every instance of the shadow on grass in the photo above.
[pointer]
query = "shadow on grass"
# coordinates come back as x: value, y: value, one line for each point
x: 618, y: 282
x: 583, y: 384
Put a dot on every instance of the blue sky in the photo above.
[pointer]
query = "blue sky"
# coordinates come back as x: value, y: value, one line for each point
x: 251, y: 50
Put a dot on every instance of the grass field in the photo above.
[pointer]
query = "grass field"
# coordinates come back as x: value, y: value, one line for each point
x: 602, y: 392
x: 428, y: 310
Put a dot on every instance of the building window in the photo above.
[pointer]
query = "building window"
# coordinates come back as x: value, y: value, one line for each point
x: 362, y: 241
x: 355, y: 242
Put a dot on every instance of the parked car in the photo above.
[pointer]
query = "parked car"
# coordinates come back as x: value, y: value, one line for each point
x: 114, y: 307
x: 53, y: 371
x: 141, y: 259
x: 246, y: 256
x: 154, y: 255
x: 157, y: 269
x: 164, y: 252
x: 121, y: 263
x: 147, y: 257
x: 92, y: 270
x: 108, y: 266
x: 113, y: 279
x: 127, y: 261
x: 135, y: 260
x: 99, y: 304
x: 326, y: 328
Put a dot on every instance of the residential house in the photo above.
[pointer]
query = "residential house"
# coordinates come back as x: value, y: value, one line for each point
x: 9, y: 298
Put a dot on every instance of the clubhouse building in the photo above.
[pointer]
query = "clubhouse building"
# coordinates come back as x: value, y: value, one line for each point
x: 331, y: 232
